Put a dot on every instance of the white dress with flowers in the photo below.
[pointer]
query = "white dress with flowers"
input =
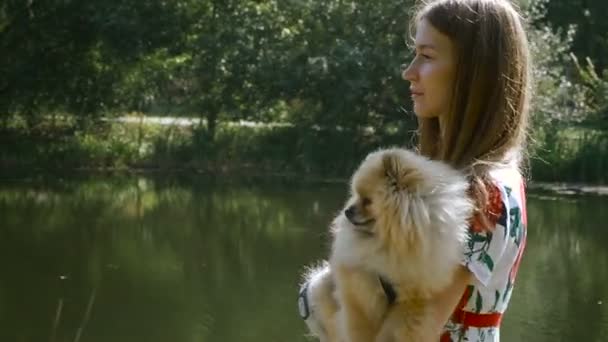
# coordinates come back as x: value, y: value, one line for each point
x: 493, y: 256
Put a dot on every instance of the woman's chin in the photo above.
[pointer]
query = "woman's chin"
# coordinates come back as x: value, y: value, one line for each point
x: 421, y: 113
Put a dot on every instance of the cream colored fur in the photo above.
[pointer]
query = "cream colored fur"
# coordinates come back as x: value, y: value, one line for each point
x: 406, y: 221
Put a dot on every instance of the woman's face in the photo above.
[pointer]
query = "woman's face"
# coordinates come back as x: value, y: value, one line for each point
x: 431, y: 73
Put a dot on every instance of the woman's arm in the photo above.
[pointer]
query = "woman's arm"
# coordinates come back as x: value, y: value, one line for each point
x: 444, y: 302
x: 400, y: 325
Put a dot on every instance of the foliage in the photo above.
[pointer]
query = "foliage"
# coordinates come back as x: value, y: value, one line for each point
x: 70, y: 55
x: 330, y: 63
x: 568, y: 142
x: 348, y: 64
x: 556, y: 99
x: 571, y: 155
x: 223, y: 60
x: 326, y: 71
x: 596, y: 93
x: 588, y: 17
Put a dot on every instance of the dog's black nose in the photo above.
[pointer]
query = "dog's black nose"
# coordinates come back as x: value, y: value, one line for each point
x: 350, y: 212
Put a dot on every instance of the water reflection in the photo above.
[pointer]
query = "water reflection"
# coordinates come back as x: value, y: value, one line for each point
x: 562, y: 288
x: 191, y: 260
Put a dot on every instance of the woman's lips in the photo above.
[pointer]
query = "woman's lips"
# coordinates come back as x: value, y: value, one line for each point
x: 416, y: 93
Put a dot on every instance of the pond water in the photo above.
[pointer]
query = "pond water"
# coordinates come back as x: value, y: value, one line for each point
x: 191, y: 259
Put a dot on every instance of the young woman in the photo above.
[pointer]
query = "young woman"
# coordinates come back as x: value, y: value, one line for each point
x: 469, y: 81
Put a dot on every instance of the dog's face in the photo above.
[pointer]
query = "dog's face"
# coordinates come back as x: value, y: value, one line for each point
x: 380, y: 188
x: 360, y: 212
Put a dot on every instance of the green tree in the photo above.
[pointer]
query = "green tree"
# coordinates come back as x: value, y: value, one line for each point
x: 566, y: 32
x: 72, y: 55
x: 346, y: 65
x: 588, y: 17
x: 236, y: 52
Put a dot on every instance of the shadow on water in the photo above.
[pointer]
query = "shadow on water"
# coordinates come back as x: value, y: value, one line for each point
x: 168, y: 259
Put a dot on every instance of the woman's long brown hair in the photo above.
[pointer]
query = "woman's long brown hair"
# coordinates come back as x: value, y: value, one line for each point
x: 488, y: 115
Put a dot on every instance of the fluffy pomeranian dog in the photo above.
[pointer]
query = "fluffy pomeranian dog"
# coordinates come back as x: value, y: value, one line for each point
x: 405, y: 224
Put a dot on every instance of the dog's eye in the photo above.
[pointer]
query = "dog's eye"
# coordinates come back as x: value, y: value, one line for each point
x: 366, y: 201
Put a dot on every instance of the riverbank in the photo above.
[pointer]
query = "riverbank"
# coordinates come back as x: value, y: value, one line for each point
x: 41, y: 177
x: 568, y: 189
x: 246, y: 149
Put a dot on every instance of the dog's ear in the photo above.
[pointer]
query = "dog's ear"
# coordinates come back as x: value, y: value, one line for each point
x: 391, y: 165
x: 392, y: 169
x: 400, y: 175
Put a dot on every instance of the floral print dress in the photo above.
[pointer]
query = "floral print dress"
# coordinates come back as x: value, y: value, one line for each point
x: 493, y: 256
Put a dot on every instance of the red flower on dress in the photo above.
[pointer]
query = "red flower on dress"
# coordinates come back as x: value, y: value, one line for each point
x: 492, y: 211
x: 445, y: 337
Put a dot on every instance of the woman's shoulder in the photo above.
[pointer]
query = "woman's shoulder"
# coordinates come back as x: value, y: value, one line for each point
x: 510, y: 182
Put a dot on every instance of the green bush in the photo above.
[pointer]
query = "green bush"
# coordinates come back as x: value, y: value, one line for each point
x: 572, y: 155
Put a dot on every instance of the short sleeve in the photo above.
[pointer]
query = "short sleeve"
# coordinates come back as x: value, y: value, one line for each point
x: 485, y: 247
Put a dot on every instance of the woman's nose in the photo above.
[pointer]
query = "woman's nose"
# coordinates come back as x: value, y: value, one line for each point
x: 407, y: 72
